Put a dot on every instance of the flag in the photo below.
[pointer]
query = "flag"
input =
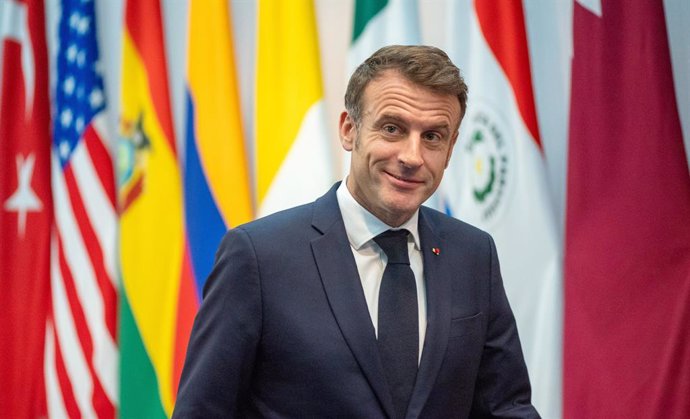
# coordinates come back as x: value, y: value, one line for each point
x: 293, y: 160
x: 25, y: 207
x: 216, y: 180
x: 497, y: 180
x: 378, y: 23
x: 216, y: 177
x: 155, y: 261
x: 81, y: 355
x: 627, y: 266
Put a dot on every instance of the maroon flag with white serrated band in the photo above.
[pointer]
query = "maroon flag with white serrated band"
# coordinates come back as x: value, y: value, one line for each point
x: 627, y: 263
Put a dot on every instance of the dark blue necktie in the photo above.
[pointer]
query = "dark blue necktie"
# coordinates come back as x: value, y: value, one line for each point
x: 398, y: 322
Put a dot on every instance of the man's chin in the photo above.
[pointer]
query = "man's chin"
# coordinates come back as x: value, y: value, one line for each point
x: 403, y: 206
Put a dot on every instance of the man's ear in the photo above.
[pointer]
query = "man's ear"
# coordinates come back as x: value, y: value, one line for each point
x: 348, y: 131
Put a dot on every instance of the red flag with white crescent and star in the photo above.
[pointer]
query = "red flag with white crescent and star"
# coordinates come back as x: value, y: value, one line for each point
x: 25, y: 207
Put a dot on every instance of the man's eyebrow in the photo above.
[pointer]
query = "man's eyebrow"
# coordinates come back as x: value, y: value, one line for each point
x: 441, y: 126
x: 390, y: 117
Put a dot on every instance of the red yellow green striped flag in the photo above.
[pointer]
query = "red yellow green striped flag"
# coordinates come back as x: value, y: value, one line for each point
x: 153, y: 249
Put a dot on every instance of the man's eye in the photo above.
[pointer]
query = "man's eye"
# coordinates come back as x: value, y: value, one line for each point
x: 391, y: 129
x: 432, y: 136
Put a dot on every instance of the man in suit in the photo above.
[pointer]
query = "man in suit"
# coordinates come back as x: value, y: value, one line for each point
x: 364, y: 304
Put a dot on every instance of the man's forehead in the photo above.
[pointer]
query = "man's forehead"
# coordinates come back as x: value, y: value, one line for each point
x: 392, y: 78
x: 392, y: 96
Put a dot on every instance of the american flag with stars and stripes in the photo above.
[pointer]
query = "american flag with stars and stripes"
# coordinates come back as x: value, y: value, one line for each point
x: 81, y: 354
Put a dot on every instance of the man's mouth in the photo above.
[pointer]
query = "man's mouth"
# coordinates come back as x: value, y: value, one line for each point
x: 404, y: 180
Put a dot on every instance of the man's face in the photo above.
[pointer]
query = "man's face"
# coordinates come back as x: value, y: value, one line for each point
x: 401, y: 146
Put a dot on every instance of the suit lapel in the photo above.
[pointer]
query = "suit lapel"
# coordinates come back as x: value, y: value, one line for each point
x: 437, y: 276
x: 340, y: 279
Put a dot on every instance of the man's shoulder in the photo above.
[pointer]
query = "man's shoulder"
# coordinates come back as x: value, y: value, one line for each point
x: 452, y: 228
x: 277, y: 233
x: 321, y: 213
x: 284, y: 220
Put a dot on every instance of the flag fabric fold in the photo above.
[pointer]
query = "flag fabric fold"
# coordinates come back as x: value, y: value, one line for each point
x: 627, y: 265
x: 497, y: 180
x: 293, y: 155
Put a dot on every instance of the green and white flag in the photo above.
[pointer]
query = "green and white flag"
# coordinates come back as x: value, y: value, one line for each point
x: 378, y: 23
x: 382, y: 22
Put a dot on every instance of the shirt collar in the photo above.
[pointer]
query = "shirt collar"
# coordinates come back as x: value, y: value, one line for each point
x: 361, y: 226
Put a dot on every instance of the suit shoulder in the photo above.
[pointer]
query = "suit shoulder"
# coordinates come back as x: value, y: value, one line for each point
x: 448, y: 226
x: 287, y: 221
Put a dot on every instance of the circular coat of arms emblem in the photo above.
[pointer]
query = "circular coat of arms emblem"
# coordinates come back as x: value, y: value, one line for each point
x: 487, y: 157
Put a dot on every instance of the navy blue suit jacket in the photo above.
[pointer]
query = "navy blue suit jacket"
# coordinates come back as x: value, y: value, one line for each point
x: 284, y: 329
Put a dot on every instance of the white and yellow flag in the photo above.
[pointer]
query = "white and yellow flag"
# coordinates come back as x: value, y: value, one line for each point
x: 293, y: 154
x: 497, y: 181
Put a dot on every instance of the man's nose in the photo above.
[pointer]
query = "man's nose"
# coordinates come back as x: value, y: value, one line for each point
x: 411, y: 152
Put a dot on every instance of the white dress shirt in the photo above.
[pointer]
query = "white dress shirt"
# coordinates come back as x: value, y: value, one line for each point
x: 361, y: 227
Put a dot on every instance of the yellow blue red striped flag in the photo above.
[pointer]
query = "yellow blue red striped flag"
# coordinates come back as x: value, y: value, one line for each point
x: 216, y: 178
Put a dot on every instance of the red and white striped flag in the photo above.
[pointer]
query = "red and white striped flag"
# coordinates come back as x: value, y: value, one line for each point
x: 627, y: 265
x: 25, y: 207
x: 81, y: 356
x: 497, y: 180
